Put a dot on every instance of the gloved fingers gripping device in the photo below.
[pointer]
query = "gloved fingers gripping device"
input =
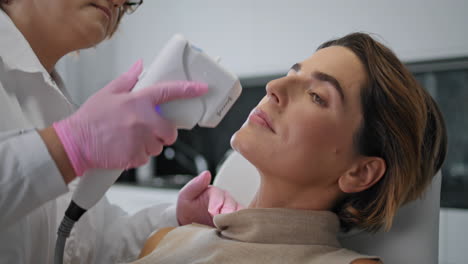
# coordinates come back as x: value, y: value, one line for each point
x: 178, y: 60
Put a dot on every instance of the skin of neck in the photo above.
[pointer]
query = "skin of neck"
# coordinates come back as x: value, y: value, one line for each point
x: 48, y: 45
x: 274, y: 192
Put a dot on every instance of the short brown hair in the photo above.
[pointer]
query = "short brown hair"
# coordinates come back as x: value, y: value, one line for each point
x: 402, y: 125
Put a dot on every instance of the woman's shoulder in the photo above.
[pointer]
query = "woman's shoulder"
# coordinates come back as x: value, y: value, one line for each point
x: 153, y: 241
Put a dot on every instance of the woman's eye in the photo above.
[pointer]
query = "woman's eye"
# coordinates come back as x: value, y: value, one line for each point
x: 317, y: 99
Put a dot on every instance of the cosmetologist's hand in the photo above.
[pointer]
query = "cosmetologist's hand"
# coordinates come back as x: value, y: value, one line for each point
x: 116, y: 129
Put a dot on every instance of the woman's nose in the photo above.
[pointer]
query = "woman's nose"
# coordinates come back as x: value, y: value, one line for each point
x: 276, y: 91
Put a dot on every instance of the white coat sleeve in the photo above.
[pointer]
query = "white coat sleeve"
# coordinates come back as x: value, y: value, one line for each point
x: 28, y: 175
x: 107, y: 234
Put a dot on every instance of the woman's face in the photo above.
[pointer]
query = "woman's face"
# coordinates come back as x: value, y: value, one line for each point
x: 302, y: 130
x: 84, y: 22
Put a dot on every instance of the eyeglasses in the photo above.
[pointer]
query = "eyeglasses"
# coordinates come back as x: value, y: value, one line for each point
x: 130, y: 6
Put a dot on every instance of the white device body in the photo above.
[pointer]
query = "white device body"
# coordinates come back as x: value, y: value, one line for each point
x: 93, y: 185
x: 178, y: 60
x: 181, y: 60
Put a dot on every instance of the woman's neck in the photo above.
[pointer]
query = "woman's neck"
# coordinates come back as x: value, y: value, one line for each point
x: 43, y: 41
x: 273, y: 193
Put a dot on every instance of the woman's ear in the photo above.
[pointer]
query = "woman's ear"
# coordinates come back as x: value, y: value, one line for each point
x: 363, y: 175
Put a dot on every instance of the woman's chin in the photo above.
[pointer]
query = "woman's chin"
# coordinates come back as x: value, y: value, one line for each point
x: 89, y: 38
x: 244, y: 144
x: 238, y: 141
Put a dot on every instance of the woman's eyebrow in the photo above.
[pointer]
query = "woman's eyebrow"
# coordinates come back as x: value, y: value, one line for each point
x: 321, y: 76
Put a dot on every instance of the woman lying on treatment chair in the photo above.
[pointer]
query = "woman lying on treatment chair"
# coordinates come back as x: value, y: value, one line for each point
x: 343, y: 141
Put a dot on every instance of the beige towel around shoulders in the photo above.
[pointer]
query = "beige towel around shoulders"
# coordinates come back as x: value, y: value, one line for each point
x: 257, y: 236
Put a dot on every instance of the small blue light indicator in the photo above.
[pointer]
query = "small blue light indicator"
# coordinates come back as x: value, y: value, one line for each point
x: 158, y: 109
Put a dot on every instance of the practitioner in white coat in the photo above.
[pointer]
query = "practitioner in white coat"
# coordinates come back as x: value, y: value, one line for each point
x: 45, y: 145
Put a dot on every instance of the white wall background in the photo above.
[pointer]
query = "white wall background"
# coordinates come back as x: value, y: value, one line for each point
x: 266, y: 36
x: 263, y: 37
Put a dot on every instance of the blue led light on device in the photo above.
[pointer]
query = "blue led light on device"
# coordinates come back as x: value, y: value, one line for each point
x: 158, y: 109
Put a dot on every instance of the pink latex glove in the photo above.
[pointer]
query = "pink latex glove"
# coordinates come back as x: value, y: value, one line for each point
x: 199, y: 202
x: 116, y: 129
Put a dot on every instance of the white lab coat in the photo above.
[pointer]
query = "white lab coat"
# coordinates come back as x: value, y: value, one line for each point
x: 33, y: 195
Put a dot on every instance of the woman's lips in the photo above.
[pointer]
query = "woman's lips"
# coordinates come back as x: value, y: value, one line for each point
x: 105, y: 10
x: 261, y: 118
